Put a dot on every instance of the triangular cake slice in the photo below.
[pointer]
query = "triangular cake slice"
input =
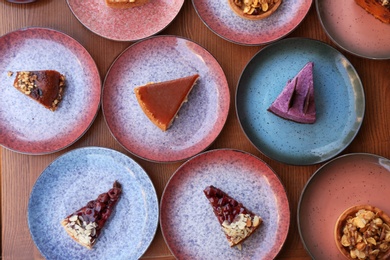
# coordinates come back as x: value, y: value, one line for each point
x: 85, y: 225
x: 162, y: 101
x: 296, y: 101
x: 237, y: 222
x: 44, y: 86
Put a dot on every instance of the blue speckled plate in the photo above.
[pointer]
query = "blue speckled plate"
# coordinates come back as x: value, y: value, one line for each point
x: 339, y: 98
x: 79, y: 176
x: 188, y: 224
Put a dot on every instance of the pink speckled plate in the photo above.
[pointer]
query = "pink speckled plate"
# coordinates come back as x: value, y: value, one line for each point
x: 346, y: 181
x: 353, y: 29
x: 125, y: 24
x: 188, y: 223
x: 199, y: 121
x: 25, y: 125
x: 220, y: 18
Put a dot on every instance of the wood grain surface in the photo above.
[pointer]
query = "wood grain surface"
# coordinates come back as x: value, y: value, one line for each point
x: 19, y: 172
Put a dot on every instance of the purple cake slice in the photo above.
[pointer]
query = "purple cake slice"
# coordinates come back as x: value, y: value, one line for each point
x: 296, y: 102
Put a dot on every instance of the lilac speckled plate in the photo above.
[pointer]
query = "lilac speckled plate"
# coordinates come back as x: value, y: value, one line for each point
x: 125, y: 24
x: 188, y: 223
x: 199, y: 121
x: 354, y: 29
x: 220, y: 18
x: 79, y: 176
x: 25, y: 125
x: 346, y: 181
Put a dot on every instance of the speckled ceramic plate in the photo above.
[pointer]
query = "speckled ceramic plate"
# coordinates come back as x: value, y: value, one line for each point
x: 125, y: 24
x: 354, y: 29
x: 199, y: 121
x: 25, y: 125
x: 349, y: 180
x: 220, y: 18
x: 79, y: 176
x: 339, y: 98
x: 188, y: 223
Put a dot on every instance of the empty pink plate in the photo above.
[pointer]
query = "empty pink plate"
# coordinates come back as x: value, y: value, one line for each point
x: 349, y: 180
x: 156, y: 59
x: 129, y: 24
x: 188, y: 224
x: 25, y: 125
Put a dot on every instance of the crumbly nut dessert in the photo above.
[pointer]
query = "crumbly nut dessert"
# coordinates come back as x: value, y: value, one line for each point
x: 254, y: 9
x: 45, y: 86
x: 85, y: 225
x: 363, y: 232
x: 237, y: 222
x: 380, y: 9
x: 125, y: 3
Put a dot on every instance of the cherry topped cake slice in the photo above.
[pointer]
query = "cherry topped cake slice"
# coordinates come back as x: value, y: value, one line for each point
x: 85, y: 225
x: 296, y: 101
x: 238, y: 223
x: 162, y: 101
x: 44, y: 86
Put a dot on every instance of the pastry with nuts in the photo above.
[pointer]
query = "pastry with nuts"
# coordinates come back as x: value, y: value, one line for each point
x: 296, y: 101
x: 254, y: 9
x: 237, y: 222
x: 162, y: 101
x: 125, y: 3
x: 380, y: 9
x: 85, y: 225
x: 363, y: 232
x: 44, y: 86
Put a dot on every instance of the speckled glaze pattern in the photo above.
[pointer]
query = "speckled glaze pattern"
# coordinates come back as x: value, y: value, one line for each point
x: 199, y: 121
x: 129, y: 24
x: 223, y: 21
x: 79, y: 176
x: 354, y: 29
x: 188, y: 223
x: 349, y: 180
x: 25, y: 125
x: 339, y: 98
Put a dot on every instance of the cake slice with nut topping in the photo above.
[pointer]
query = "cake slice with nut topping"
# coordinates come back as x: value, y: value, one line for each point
x: 44, y: 86
x: 237, y: 222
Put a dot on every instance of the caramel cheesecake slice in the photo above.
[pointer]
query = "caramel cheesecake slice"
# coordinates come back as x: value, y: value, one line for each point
x: 125, y: 3
x: 45, y: 86
x: 237, y: 222
x: 162, y: 101
x: 254, y: 9
x: 85, y: 225
x: 380, y: 9
x: 296, y: 101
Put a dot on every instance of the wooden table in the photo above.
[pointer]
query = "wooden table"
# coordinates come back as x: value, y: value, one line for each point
x: 19, y: 172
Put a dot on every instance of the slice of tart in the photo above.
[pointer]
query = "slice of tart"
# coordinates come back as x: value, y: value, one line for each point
x: 296, y: 101
x: 125, y: 3
x: 254, y: 9
x: 237, y: 222
x: 380, y: 9
x: 162, y: 101
x: 85, y: 225
x: 44, y: 86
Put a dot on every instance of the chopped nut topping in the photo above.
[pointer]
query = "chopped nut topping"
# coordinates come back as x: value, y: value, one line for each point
x: 241, y: 226
x: 84, y: 231
x: 255, y: 7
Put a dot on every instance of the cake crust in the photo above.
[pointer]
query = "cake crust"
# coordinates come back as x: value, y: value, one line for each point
x: 380, y: 9
x: 122, y: 4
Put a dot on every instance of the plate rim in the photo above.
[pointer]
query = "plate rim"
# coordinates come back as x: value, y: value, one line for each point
x: 86, y: 149
x: 231, y: 150
x: 284, y: 41
x: 95, y: 68
x: 228, y: 92
x: 318, y: 172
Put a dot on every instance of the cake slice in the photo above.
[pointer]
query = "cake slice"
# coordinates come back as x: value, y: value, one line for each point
x: 380, y: 9
x: 125, y: 3
x: 296, y: 101
x: 162, y: 101
x: 44, y: 86
x: 237, y: 222
x: 85, y: 225
x: 254, y: 9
